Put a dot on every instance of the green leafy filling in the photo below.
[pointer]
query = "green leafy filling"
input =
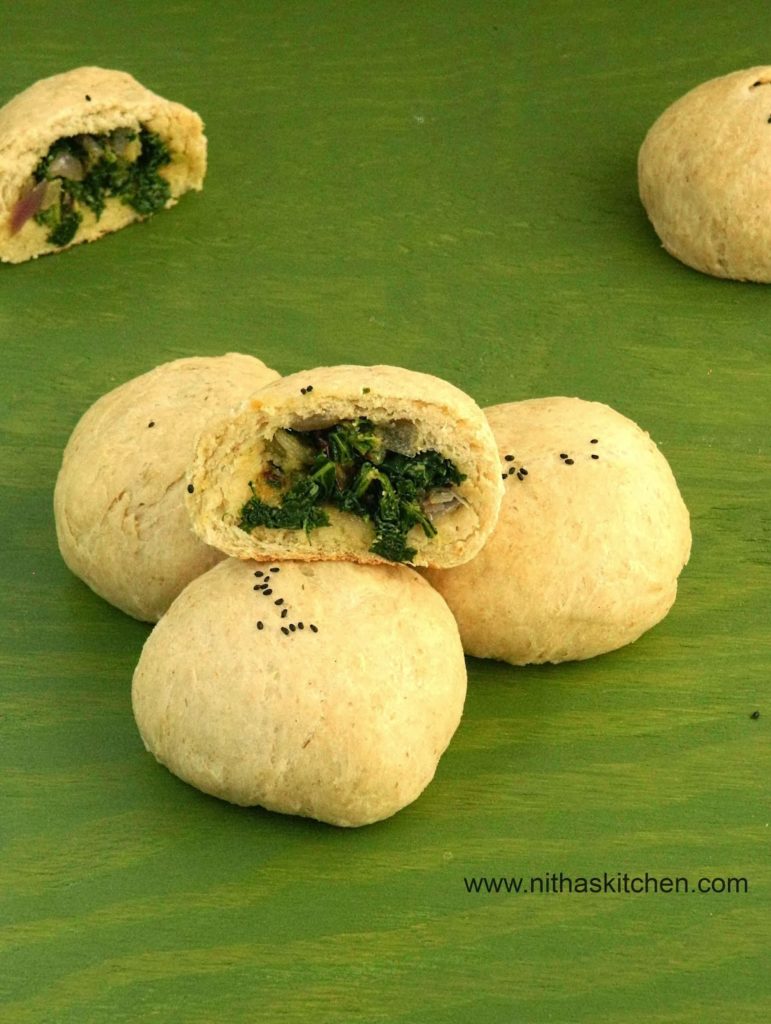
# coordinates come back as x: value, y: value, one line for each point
x: 348, y: 467
x: 106, y: 167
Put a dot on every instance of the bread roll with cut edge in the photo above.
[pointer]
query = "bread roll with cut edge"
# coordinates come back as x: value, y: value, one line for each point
x: 120, y: 515
x: 86, y: 101
x: 704, y: 170
x: 415, y: 412
x: 331, y: 693
x: 589, y: 544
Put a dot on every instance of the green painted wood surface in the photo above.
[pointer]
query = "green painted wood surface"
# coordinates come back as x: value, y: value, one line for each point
x: 449, y: 186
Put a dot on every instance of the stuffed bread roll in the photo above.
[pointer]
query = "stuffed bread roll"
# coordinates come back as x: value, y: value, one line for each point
x: 277, y: 685
x: 364, y: 463
x: 591, y: 539
x: 88, y: 152
x: 119, y: 505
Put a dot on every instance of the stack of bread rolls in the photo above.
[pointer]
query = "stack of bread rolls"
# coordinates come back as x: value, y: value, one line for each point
x: 296, y: 668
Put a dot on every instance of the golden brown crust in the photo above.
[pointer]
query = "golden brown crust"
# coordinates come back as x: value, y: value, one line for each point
x: 703, y: 171
x: 338, y: 708
x: 429, y: 413
x: 590, y: 540
x: 88, y: 100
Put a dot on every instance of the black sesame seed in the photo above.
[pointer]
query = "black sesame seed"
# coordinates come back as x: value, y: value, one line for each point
x: 314, y: 629
x: 509, y: 458
x: 151, y: 423
x: 284, y: 613
x: 512, y: 470
x: 365, y: 391
x: 301, y: 625
x: 520, y: 477
x: 267, y: 592
x: 275, y: 568
x: 278, y: 601
x: 563, y: 455
x: 309, y: 388
x: 285, y: 631
x: 302, y: 391
x: 755, y: 715
x: 504, y: 475
x: 259, y: 573
x: 292, y: 627
x: 523, y: 471
x: 593, y: 441
x: 569, y: 462
x: 259, y: 624
x: 88, y: 98
x: 595, y: 456
x: 190, y: 488
x: 257, y: 586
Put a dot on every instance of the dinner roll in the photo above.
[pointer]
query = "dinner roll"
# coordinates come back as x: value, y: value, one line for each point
x: 589, y: 544
x: 326, y: 689
x: 363, y: 463
x: 120, y: 514
x: 704, y: 169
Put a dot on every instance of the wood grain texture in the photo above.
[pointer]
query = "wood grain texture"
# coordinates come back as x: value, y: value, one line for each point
x: 451, y: 188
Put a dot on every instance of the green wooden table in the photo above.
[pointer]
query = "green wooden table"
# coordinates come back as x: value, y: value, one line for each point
x: 451, y: 187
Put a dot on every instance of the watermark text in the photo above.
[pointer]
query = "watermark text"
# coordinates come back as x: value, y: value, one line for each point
x: 556, y: 883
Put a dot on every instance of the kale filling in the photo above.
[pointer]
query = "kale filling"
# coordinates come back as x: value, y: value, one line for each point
x: 348, y: 467
x: 90, y: 169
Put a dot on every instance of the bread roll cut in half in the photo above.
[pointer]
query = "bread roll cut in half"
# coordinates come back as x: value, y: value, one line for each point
x: 327, y: 689
x: 88, y: 152
x: 589, y: 544
x: 704, y: 169
x: 365, y: 463
x: 120, y: 513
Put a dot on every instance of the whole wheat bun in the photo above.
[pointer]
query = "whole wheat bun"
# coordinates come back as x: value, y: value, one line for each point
x: 423, y: 412
x: 337, y: 708
x: 589, y: 544
x: 703, y: 171
x: 88, y: 100
x: 120, y: 515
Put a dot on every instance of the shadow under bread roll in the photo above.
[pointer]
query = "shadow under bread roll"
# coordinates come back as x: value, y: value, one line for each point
x: 364, y: 463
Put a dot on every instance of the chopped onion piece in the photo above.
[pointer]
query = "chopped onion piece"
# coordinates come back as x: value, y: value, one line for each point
x: 442, y: 501
x: 53, y: 193
x: 119, y: 140
x: 65, y: 165
x: 27, y: 206
x: 93, y: 148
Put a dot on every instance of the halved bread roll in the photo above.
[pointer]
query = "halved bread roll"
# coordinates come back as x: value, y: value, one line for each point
x: 88, y: 152
x: 364, y: 463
